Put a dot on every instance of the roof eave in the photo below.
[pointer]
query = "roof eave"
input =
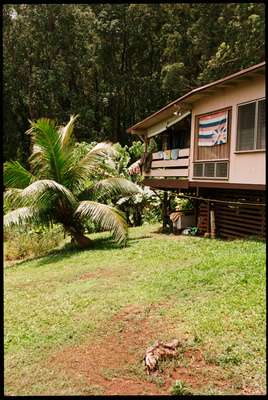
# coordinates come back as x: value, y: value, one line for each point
x: 175, y: 103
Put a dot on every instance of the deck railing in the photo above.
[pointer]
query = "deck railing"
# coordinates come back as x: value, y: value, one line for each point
x: 172, y: 163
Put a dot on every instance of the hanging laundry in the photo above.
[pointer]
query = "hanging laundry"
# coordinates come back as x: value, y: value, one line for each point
x: 174, y: 154
x: 158, y: 156
x: 167, y: 154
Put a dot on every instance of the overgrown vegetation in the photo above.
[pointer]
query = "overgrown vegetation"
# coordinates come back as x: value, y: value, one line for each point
x: 207, y: 291
x: 115, y: 64
x: 179, y: 388
x: 23, y: 243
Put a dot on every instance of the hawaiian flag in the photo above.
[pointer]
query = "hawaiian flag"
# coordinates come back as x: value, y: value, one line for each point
x: 212, y: 129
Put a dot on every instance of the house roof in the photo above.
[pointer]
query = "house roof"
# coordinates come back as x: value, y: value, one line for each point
x: 197, y: 94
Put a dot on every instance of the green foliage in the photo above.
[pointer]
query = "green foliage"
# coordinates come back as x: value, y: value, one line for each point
x: 115, y: 64
x: 136, y: 150
x: 173, y: 79
x: 229, y: 356
x: 66, y: 185
x: 122, y: 159
x: 180, y: 204
x: 142, y: 207
x: 23, y: 243
x: 180, y: 388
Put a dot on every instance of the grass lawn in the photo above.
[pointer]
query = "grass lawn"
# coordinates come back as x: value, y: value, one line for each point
x: 79, y: 322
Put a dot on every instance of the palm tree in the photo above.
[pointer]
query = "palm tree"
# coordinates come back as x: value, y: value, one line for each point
x: 63, y: 186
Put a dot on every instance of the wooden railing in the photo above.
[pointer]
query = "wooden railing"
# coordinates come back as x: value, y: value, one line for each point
x: 177, y: 167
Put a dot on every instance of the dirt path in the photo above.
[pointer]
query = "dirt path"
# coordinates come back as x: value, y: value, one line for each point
x: 114, y: 361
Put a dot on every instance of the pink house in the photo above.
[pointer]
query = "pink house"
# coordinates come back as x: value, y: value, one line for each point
x: 211, y: 148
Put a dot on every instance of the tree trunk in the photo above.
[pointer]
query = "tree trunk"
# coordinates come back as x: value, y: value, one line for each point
x: 137, y: 217
x: 78, y: 236
x: 81, y: 240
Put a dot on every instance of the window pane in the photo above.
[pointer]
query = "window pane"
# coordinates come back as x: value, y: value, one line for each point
x: 198, y: 169
x: 209, y: 170
x: 261, y: 125
x: 245, y: 126
x: 221, y: 170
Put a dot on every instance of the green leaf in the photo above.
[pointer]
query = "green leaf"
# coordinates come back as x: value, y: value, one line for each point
x: 34, y: 193
x: 106, y: 217
x: 115, y: 186
x: 47, y: 139
x: 16, y: 176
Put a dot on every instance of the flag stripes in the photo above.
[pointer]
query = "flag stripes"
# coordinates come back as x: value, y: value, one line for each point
x: 212, y: 129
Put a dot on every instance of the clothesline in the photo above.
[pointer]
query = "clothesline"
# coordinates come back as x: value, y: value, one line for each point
x: 221, y: 201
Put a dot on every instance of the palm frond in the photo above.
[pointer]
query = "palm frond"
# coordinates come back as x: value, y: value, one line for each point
x: 19, y: 216
x: 106, y: 217
x: 104, y: 149
x: 37, y: 192
x: 16, y: 176
x: 27, y: 215
x: 12, y: 198
x: 67, y: 130
x: 47, y: 141
x: 94, y: 163
x: 38, y: 164
x: 115, y: 186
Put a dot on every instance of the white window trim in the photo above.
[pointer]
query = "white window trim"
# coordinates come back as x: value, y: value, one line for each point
x: 255, y: 126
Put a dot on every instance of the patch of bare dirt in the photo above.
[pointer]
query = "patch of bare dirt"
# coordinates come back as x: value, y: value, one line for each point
x: 99, y: 273
x: 114, y: 360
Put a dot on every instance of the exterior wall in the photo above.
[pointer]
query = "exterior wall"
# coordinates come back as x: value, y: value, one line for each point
x: 245, y: 167
x: 241, y: 220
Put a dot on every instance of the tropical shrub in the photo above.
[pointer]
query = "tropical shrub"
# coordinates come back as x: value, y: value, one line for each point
x: 66, y: 184
x: 142, y: 207
x: 21, y: 243
x: 181, y: 204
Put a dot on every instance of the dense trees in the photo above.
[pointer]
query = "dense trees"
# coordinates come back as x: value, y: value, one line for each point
x: 116, y: 63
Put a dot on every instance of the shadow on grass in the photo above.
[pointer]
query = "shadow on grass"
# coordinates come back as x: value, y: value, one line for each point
x: 132, y: 239
x: 250, y: 238
x: 69, y: 250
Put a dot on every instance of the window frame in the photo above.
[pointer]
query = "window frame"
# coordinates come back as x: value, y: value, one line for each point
x: 215, y: 178
x: 256, y: 101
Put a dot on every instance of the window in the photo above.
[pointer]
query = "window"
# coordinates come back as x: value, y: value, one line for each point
x: 212, y: 170
x: 251, y: 126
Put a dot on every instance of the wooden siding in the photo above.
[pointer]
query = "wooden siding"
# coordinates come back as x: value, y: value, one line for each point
x: 239, y: 222
x: 225, y: 185
x: 177, y: 183
x: 183, y: 162
x: 234, y: 221
x: 218, y: 152
x: 166, y: 184
x: 167, y: 172
x: 184, y: 152
x: 202, y: 218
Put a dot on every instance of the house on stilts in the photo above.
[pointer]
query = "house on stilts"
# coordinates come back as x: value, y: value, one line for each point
x: 211, y: 149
